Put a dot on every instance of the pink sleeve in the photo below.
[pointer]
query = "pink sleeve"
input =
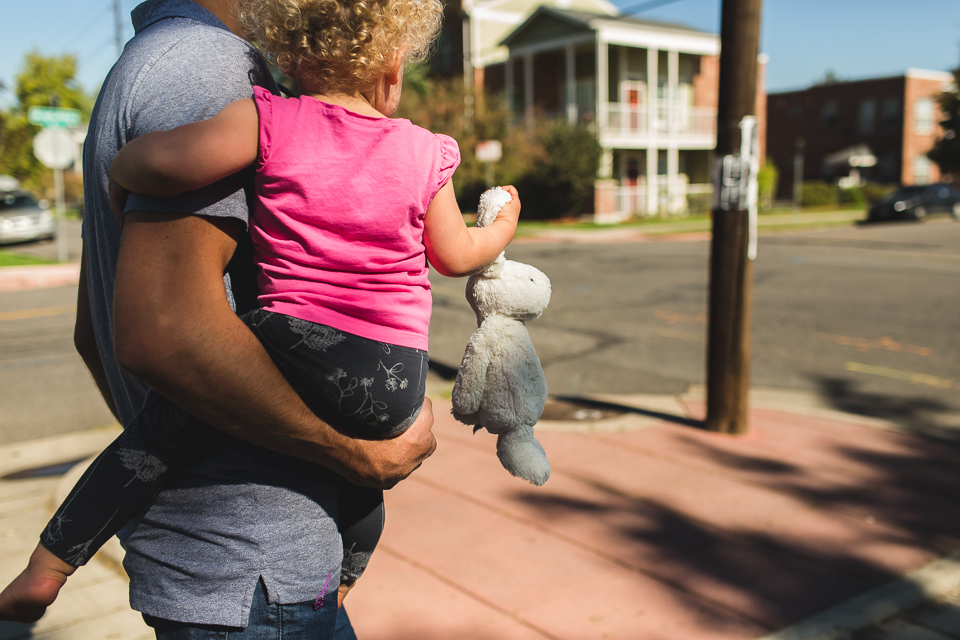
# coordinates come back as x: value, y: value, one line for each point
x: 449, y: 159
x: 264, y: 101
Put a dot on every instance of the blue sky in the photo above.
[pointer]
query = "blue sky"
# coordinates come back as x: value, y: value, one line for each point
x: 804, y: 38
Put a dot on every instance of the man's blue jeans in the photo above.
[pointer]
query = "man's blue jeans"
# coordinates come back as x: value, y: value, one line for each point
x: 267, y: 622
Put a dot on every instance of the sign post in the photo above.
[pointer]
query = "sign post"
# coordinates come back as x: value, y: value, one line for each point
x: 489, y: 152
x: 54, y: 147
x: 53, y: 117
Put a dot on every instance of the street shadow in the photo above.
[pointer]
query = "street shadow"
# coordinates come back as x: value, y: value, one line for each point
x: 920, y: 416
x: 838, y: 518
x: 593, y: 409
x: 16, y: 630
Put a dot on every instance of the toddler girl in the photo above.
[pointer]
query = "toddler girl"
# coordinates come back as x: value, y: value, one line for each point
x: 350, y: 206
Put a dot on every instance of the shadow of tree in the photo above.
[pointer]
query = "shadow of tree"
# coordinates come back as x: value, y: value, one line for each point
x: 922, y: 416
x: 860, y: 515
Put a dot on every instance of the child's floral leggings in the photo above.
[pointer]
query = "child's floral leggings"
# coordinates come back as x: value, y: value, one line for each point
x: 363, y: 388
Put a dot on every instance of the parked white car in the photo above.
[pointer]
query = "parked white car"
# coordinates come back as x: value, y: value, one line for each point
x: 22, y: 218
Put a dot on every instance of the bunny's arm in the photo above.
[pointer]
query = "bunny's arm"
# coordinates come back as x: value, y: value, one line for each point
x: 472, y: 375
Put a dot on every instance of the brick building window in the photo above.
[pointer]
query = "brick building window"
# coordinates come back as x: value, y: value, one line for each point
x: 868, y: 116
x: 921, y: 170
x: 891, y: 115
x: 923, y: 116
x: 829, y: 114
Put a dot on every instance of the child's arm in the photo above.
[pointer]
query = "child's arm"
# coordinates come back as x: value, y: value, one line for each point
x: 456, y: 250
x: 165, y: 163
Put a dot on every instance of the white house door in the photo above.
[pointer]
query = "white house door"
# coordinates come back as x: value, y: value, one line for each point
x: 632, y: 101
x: 633, y: 181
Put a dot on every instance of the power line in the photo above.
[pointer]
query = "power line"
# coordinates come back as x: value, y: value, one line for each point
x: 84, y: 30
x: 644, y: 6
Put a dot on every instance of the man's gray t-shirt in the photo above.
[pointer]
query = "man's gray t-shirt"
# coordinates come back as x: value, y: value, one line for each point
x: 243, y: 513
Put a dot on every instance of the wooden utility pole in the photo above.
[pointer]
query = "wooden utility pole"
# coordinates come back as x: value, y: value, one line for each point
x: 731, y: 272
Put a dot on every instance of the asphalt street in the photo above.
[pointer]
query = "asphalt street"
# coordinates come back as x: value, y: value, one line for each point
x: 865, y: 317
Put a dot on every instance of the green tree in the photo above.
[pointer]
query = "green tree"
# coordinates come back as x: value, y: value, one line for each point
x: 946, y: 151
x: 42, y: 81
x: 561, y: 182
x: 553, y: 164
x: 767, y: 179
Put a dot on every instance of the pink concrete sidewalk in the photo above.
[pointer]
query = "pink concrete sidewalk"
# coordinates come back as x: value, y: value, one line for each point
x: 38, y: 276
x: 659, y: 532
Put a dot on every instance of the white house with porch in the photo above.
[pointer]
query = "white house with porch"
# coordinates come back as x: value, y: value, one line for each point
x: 648, y: 88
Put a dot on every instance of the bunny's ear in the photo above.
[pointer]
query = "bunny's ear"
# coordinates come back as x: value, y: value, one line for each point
x: 491, y: 201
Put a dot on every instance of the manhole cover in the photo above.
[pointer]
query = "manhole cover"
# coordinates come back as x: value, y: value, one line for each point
x: 581, y: 411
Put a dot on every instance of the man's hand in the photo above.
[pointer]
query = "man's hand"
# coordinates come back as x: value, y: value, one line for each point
x: 384, y: 463
x: 174, y: 329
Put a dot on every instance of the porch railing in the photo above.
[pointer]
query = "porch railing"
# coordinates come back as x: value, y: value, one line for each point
x: 668, y: 120
x: 675, y: 197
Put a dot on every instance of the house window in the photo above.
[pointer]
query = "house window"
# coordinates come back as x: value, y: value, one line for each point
x: 829, y: 114
x: 921, y: 170
x: 923, y: 118
x: 443, y: 59
x: 868, y: 116
x: 891, y: 115
x: 796, y: 110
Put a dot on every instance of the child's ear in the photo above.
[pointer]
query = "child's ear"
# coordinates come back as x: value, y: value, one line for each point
x: 395, y: 73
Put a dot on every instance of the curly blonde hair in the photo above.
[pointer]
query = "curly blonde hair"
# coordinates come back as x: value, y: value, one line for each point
x: 341, y: 45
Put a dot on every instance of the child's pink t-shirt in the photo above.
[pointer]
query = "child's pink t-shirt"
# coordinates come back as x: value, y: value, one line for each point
x: 338, y: 224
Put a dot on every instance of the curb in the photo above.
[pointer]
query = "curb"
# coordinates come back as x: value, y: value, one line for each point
x: 38, y: 276
x: 936, y: 579
x: 54, y: 450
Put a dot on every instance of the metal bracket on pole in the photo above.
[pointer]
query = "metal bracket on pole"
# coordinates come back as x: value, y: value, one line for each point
x: 736, y: 180
x: 750, y: 152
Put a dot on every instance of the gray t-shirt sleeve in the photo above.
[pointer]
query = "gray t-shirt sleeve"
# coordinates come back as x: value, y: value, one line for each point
x: 201, y: 86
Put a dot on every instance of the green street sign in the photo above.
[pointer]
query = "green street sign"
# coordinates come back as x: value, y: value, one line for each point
x: 53, y: 117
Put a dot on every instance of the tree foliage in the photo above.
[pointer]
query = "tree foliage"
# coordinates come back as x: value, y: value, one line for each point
x: 767, y: 179
x: 42, y: 81
x: 946, y: 151
x: 553, y: 164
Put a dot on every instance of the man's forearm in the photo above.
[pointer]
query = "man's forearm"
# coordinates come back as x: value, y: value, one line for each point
x: 174, y: 330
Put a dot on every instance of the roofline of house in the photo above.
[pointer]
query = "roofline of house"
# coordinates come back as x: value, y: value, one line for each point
x: 922, y: 74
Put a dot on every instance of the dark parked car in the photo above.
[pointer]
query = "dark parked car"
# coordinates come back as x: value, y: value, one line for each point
x: 915, y: 203
x: 22, y: 218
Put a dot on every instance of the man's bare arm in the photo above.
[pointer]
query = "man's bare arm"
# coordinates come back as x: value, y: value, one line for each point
x: 174, y: 329
x: 85, y: 341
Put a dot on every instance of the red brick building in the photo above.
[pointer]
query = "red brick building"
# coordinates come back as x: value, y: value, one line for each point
x: 885, y: 125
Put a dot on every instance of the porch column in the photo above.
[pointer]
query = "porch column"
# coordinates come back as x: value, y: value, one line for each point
x: 675, y: 191
x: 653, y: 191
x: 653, y: 79
x: 601, y: 83
x: 623, y: 105
x: 571, y: 69
x: 528, y: 88
x: 673, y: 82
x: 606, y: 164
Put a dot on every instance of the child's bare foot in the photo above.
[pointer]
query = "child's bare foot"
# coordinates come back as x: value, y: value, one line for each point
x: 28, y: 596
